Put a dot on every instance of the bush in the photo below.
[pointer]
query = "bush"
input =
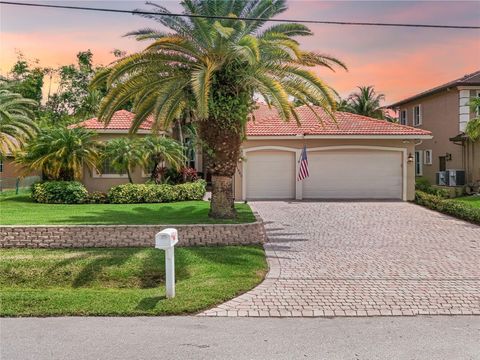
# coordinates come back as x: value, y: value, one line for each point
x: 152, y: 193
x: 447, y: 206
x: 59, y: 192
x: 97, y: 197
x: 424, y: 185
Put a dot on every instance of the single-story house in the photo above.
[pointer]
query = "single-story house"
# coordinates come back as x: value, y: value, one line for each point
x: 354, y: 157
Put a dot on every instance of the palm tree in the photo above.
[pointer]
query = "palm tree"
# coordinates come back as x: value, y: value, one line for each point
x: 212, y: 68
x: 159, y: 150
x: 366, y: 102
x: 16, y: 121
x: 61, y: 153
x: 124, y: 154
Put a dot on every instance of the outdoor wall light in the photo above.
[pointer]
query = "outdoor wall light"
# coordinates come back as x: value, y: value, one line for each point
x: 448, y: 157
x: 410, y: 158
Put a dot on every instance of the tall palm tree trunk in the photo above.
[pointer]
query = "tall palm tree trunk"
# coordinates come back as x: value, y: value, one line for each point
x: 223, y: 145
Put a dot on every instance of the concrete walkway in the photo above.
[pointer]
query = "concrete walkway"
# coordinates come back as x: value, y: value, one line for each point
x: 363, y: 259
x: 441, y: 337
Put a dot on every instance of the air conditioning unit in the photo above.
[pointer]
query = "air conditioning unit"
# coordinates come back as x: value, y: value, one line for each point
x: 455, y: 177
x: 441, y: 178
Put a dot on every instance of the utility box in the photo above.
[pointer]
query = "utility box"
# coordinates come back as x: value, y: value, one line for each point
x: 455, y: 177
x: 442, y: 178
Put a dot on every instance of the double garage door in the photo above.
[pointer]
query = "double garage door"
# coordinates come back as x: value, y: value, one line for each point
x: 334, y: 174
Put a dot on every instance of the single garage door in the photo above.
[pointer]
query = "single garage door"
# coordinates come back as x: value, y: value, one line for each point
x: 270, y: 175
x: 354, y: 174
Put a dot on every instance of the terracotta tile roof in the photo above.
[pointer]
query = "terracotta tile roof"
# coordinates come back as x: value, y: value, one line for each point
x: 121, y: 120
x: 266, y: 122
x: 472, y: 79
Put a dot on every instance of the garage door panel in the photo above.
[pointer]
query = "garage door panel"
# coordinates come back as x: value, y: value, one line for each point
x: 354, y: 174
x: 270, y: 175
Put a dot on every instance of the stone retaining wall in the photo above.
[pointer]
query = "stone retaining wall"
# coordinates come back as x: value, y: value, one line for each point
x: 78, y: 236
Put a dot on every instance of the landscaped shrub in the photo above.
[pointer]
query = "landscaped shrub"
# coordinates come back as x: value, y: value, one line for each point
x: 447, y: 206
x: 97, y: 197
x: 152, y: 193
x: 59, y: 192
x: 424, y: 185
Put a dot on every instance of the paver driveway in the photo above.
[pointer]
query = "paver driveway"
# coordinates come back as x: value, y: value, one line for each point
x: 363, y: 259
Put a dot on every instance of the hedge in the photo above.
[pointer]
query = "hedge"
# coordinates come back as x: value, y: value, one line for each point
x: 152, y: 193
x: 59, y: 192
x: 447, y: 206
x: 423, y: 185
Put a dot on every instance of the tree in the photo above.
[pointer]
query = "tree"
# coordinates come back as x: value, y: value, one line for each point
x: 212, y: 68
x: 74, y: 100
x: 25, y: 78
x: 60, y: 153
x: 124, y: 154
x: 159, y: 150
x: 17, y: 123
x: 366, y: 102
x: 473, y: 126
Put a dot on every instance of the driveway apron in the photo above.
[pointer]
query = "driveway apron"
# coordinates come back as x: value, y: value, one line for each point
x: 362, y: 259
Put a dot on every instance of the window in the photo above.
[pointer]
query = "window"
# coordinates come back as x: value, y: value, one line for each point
x: 418, y: 163
x: 417, y: 115
x: 190, y: 153
x: 1, y: 166
x: 403, y: 117
x: 427, y: 157
x: 107, y: 171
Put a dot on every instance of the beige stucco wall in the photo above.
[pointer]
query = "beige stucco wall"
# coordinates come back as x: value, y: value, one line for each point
x: 312, y: 143
x: 96, y: 182
x: 12, y: 171
x: 440, y: 116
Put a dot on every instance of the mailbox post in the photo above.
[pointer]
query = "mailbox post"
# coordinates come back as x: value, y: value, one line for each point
x: 166, y: 240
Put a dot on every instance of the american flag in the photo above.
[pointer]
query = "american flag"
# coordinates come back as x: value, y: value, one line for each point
x: 303, y: 161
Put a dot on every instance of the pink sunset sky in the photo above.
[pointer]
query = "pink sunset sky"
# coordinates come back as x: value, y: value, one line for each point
x: 398, y: 61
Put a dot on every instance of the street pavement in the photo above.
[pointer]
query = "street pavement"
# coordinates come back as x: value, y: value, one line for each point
x: 420, y: 337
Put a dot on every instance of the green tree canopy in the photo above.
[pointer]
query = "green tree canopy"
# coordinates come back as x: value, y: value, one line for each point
x: 17, y: 123
x: 60, y: 153
x: 212, y: 68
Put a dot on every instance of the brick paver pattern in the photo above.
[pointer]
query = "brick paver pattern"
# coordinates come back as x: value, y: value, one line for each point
x: 363, y: 259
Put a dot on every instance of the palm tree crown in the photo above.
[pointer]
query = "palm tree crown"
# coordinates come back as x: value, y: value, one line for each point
x: 212, y: 68
x: 60, y: 153
x: 366, y: 102
x: 124, y: 155
x: 16, y: 121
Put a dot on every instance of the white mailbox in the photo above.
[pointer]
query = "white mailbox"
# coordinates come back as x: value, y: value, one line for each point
x: 166, y: 240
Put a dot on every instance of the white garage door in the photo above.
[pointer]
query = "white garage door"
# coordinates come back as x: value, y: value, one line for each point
x: 270, y: 175
x: 354, y: 174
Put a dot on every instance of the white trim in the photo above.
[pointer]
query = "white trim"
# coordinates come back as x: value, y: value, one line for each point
x: 352, y: 137
x: 473, y: 87
x: 97, y: 175
x: 425, y: 160
x: 299, y: 184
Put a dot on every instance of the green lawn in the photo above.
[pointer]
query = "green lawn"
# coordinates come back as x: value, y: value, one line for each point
x: 473, y: 201
x: 127, y: 281
x: 21, y: 210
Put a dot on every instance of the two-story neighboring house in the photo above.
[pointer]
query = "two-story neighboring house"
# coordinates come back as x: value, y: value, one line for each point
x: 444, y: 110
